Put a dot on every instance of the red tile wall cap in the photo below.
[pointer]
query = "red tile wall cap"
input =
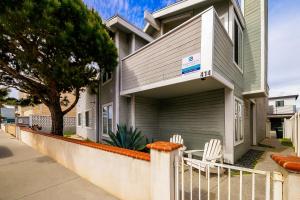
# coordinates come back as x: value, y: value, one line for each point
x: 290, y: 163
x: 164, y: 146
x: 104, y: 147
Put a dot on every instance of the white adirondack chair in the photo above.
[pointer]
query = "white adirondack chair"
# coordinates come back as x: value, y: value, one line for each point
x: 178, y: 140
x: 212, y: 153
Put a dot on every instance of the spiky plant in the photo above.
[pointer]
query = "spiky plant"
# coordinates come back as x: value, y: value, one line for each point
x: 127, y: 138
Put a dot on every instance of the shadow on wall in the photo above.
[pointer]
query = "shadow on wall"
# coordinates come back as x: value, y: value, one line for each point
x: 5, y: 152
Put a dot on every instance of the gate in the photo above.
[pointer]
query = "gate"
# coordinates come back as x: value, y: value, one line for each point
x: 196, y: 179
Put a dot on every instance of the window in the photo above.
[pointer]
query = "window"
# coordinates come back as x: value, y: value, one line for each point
x: 238, y: 45
x: 238, y: 122
x: 79, y: 119
x: 107, y: 119
x: 280, y: 103
x: 87, y: 118
x: 106, y: 77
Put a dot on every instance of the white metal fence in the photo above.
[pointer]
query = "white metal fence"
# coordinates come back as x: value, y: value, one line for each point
x: 292, y: 131
x: 226, y: 182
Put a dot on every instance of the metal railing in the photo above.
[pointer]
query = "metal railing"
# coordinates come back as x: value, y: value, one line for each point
x: 288, y: 109
x: 187, y: 188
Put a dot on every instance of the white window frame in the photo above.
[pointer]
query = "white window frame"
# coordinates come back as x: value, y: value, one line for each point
x: 102, y: 121
x: 90, y: 116
x: 241, y: 66
x: 107, y: 80
x: 77, y: 120
x: 279, y: 101
x: 241, y: 102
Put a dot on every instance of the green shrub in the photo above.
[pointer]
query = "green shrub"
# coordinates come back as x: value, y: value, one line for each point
x: 128, y: 139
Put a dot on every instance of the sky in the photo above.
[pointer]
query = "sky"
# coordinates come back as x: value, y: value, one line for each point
x: 284, y: 36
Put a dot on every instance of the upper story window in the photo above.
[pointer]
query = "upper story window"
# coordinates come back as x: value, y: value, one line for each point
x: 279, y: 103
x: 238, y: 44
x: 106, y: 77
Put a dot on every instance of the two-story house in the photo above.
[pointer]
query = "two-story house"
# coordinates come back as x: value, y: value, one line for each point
x: 280, y: 109
x: 202, y: 74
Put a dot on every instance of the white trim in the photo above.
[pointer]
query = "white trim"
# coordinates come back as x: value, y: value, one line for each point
x: 81, y: 124
x: 90, y: 113
x: 207, y: 39
x: 105, y: 105
x: 117, y: 19
x: 117, y: 84
x: 229, y: 126
x: 151, y: 20
x: 133, y: 111
x: 222, y: 80
x: 241, y: 66
x: 178, y: 17
x: 254, y: 92
x: 243, y: 119
x: 132, y: 43
x: 254, y: 134
x: 263, y: 64
x: 239, y: 13
x: 162, y: 83
x: 168, y: 33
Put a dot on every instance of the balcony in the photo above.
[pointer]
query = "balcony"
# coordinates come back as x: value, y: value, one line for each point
x: 159, y: 69
x: 283, y: 110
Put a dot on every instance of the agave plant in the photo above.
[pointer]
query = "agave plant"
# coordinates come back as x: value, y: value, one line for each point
x: 127, y: 138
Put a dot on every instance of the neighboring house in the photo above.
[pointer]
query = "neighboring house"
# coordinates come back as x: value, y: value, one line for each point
x: 40, y: 114
x: 280, y: 109
x: 203, y: 76
x: 7, y: 114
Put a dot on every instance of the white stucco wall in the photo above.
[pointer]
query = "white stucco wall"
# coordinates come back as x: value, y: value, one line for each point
x: 122, y: 176
x: 87, y: 102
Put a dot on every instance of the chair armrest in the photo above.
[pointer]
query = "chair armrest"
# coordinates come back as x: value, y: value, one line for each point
x: 192, y: 151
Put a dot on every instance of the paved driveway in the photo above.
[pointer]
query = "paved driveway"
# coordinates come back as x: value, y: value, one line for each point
x: 28, y: 175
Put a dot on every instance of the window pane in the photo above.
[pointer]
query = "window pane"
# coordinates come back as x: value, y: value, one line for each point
x: 236, y: 42
x: 79, y: 119
x: 240, y: 47
x: 110, y: 119
x: 104, y: 120
x: 87, y: 118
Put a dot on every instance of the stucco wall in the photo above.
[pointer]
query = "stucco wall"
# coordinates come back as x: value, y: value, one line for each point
x: 122, y: 176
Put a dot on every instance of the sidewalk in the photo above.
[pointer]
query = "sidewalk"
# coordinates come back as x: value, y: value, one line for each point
x: 28, y: 175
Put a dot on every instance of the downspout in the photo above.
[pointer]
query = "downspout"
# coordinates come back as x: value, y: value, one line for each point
x: 98, y: 110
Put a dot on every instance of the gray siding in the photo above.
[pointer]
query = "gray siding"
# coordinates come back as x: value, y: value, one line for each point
x: 161, y: 60
x: 139, y: 42
x: 252, y: 45
x: 223, y: 58
x: 146, y: 116
x: 261, y: 118
x: 198, y: 117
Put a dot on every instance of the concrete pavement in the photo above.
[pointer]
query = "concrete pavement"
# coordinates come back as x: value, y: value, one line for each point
x: 28, y: 175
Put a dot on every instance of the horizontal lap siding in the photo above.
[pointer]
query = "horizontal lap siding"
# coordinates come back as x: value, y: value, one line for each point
x: 198, y: 118
x: 162, y: 59
x: 252, y: 45
x: 223, y: 58
x: 146, y: 116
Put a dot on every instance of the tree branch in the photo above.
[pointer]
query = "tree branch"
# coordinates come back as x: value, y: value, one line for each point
x: 77, y: 95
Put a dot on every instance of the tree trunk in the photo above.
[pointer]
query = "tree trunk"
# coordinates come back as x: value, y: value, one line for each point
x: 57, y: 118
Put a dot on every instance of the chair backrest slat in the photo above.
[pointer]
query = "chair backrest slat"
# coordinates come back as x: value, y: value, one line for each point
x: 212, y: 149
